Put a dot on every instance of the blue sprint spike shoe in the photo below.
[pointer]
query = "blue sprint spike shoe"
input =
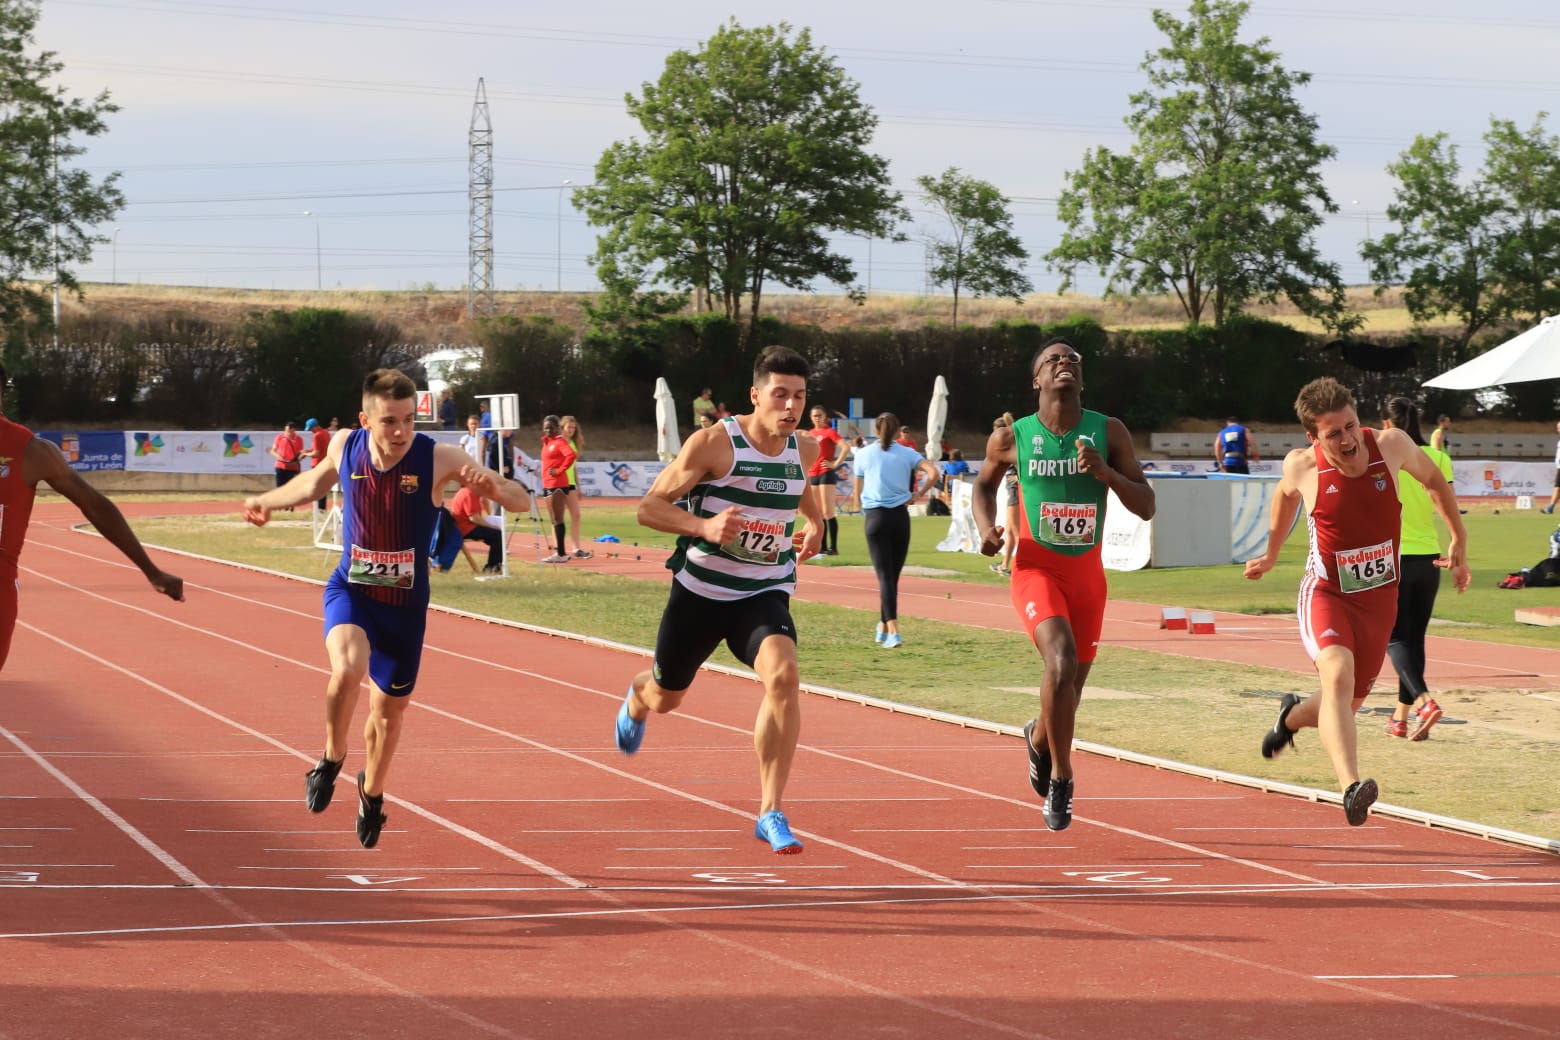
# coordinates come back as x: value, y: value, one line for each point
x: 630, y: 733
x: 773, y: 828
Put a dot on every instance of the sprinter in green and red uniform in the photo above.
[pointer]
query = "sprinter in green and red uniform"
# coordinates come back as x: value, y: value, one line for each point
x: 1068, y: 459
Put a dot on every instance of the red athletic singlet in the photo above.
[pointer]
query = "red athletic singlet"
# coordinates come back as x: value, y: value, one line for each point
x: 1348, y: 596
x: 16, y: 496
x: 16, y: 502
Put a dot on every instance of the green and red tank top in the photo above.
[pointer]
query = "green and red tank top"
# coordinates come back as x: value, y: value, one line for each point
x: 1063, y: 507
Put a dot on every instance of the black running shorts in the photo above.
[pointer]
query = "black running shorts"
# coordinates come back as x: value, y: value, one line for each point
x: 693, y: 626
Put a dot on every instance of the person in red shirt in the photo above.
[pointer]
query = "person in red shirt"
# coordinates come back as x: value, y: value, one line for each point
x: 1347, y: 482
x: 475, y: 525
x: 907, y: 440
x: 822, y: 476
x: 24, y: 461
x: 557, y: 457
x: 319, y: 445
x: 287, y: 450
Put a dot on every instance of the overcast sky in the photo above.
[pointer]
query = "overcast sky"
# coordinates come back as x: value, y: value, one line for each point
x: 239, y: 117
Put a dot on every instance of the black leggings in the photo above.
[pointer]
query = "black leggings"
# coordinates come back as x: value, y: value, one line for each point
x: 888, y: 543
x: 1418, y: 583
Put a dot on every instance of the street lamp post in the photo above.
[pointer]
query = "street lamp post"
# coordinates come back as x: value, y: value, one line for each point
x: 319, y: 281
x: 565, y: 184
x: 113, y: 278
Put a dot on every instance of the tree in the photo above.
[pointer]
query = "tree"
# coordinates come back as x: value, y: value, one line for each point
x: 1523, y: 170
x: 755, y: 151
x: 982, y: 255
x: 1218, y: 197
x: 39, y: 190
x: 1446, y: 238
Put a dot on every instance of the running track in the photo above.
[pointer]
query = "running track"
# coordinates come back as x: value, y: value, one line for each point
x: 162, y: 878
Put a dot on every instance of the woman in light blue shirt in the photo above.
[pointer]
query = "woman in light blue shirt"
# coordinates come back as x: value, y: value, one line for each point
x: 885, y: 483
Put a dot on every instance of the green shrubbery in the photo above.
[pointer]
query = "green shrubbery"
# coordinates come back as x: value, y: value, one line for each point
x: 275, y: 365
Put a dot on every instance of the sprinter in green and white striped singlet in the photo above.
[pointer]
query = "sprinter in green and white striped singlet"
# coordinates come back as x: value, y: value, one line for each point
x: 766, y: 490
x: 735, y: 568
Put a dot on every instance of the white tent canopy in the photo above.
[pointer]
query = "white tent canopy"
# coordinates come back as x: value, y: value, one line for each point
x: 1533, y: 355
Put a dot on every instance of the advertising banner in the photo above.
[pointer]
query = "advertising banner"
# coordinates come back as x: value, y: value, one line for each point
x: 88, y: 451
x: 206, y: 451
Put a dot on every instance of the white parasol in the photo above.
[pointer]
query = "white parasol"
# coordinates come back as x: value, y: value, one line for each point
x: 937, y: 419
x: 667, y: 441
x: 1533, y: 355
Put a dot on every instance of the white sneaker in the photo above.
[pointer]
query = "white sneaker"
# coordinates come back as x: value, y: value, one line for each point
x: 882, y: 633
x: 555, y: 558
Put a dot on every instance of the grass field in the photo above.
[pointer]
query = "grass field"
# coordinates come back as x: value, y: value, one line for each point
x: 1205, y: 713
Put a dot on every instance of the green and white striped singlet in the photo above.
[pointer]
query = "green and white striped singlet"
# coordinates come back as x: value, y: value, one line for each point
x: 767, y: 489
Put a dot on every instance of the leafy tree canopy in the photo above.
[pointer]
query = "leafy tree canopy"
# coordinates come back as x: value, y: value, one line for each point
x: 980, y: 254
x: 40, y: 191
x: 1220, y: 195
x: 1487, y: 250
x: 754, y: 152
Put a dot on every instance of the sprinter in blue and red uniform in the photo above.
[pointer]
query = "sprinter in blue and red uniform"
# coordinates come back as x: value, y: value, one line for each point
x: 376, y: 601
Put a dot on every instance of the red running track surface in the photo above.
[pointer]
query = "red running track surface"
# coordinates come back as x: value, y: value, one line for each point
x: 162, y: 878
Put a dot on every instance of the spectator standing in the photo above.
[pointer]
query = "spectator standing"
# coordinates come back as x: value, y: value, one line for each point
x: 907, y: 440
x: 1443, y: 426
x: 1554, y: 496
x: 704, y: 404
x: 319, y: 445
x: 576, y: 438
x: 471, y: 440
x: 1010, y: 523
x: 500, y: 454
x: 1419, y: 580
x: 287, y: 450
x: 885, y: 482
x: 1234, y: 449
x: 822, y: 478
x: 556, y: 462
x: 448, y: 416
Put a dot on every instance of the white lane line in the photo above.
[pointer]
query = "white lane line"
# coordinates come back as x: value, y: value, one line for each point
x: 109, y: 866
x: 428, y: 814
x: 765, y: 868
x: 217, y: 830
x: 918, y: 895
x: 380, y: 868
x: 1263, y: 830
x: 217, y: 800
x: 1390, y: 978
x: 537, y: 800
x: 635, y: 830
x: 1153, y: 798
x: 129, y: 830
x: 1419, y: 866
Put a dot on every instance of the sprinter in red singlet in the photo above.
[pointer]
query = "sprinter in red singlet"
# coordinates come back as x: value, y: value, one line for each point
x: 24, y: 461
x: 1347, y: 481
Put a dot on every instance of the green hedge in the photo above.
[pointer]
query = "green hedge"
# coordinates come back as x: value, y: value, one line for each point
x: 183, y: 370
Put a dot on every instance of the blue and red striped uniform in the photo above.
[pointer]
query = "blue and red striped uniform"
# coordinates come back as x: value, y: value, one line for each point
x: 381, y: 583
